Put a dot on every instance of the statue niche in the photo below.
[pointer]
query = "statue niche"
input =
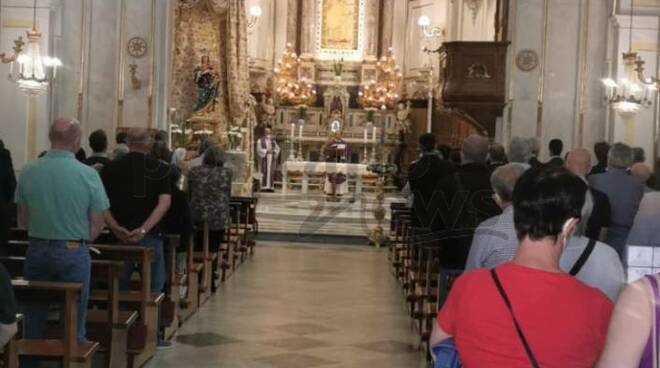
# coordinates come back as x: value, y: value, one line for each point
x: 207, y: 115
x: 207, y: 81
x: 335, y: 98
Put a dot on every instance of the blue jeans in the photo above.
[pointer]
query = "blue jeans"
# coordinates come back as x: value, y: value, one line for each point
x: 157, y: 266
x: 51, y: 260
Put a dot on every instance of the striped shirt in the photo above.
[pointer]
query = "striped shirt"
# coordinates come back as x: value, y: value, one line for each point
x: 494, y: 242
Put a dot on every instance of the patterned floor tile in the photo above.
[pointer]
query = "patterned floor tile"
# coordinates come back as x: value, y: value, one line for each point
x: 304, y: 329
x: 387, y: 347
x: 205, y: 339
x: 297, y: 343
x: 294, y: 361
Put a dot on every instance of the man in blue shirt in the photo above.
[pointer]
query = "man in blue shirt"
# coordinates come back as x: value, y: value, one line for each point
x: 62, y: 203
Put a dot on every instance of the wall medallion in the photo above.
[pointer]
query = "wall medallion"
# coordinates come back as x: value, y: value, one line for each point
x: 137, y: 47
x: 527, y: 60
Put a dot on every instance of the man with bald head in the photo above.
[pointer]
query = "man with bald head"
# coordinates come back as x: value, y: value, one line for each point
x: 62, y: 203
x: 140, y: 195
x: 578, y: 161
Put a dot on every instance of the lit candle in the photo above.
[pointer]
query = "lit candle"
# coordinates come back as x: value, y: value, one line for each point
x: 300, y: 127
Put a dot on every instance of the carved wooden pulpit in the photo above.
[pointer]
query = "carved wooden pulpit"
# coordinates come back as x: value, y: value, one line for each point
x: 473, y: 76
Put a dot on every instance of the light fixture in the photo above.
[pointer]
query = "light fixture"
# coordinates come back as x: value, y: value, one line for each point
x: 35, y: 72
x: 632, y: 92
x: 429, y: 32
x: 255, y: 14
x: 474, y: 6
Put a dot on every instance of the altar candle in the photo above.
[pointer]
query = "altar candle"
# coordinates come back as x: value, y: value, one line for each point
x: 300, y: 127
x: 374, y: 134
x: 293, y: 131
x: 366, y: 133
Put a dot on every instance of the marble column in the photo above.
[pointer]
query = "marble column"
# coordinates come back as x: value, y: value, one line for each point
x: 387, y: 25
x: 560, y: 98
x: 292, y: 21
x: 308, y: 29
x: 371, y: 16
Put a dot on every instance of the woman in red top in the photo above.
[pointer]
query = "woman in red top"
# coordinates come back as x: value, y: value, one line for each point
x: 563, y: 321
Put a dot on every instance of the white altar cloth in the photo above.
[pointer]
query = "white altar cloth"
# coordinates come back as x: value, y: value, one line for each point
x: 308, y: 167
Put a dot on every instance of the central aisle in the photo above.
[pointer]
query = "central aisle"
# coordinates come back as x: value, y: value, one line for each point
x: 298, y: 307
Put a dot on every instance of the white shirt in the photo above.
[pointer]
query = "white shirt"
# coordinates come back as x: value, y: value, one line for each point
x: 603, y: 269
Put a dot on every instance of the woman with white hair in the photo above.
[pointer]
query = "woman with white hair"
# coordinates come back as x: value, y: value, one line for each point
x: 520, y: 151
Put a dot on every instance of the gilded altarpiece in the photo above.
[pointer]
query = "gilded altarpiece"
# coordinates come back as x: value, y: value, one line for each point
x: 217, y: 30
x: 197, y: 33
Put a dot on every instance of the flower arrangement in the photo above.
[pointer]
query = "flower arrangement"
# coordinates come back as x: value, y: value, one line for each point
x: 235, y: 137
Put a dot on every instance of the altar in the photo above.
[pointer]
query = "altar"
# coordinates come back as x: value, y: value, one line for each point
x: 304, y: 171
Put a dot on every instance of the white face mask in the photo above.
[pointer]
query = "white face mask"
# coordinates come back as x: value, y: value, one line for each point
x: 564, y: 236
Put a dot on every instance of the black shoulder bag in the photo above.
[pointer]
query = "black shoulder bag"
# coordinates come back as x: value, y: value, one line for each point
x: 528, y: 349
x: 583, y: 258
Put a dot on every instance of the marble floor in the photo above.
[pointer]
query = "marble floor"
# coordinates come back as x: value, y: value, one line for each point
x: 301, y: 305
x: 312, y: 213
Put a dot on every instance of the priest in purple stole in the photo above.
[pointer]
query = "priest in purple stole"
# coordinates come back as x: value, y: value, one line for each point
x: 336, y: 151
x: 267, y: 152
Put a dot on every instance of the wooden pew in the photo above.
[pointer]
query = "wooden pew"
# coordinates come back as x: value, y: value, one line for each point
x: 146, y: 302
x: 190, y: 304
x: 108, y: 325
x: 170, y: 310
x: 206, y: 259
x: 247, y: 223
x: 10, y: 350
x: 67, y: 349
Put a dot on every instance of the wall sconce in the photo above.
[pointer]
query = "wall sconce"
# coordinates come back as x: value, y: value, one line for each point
x: 135, y: 81
x: 429, y: 32
x: 18, y: 48
x: 255, y: 14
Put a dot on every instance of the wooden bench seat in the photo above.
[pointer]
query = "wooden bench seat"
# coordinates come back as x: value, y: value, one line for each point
x: 125, y: 318
x: 81, y: 352
x: 72, y: 353
x: 10, y: 350
x: 128, y: 297
x: 147, y: 303
x: 109, y: 326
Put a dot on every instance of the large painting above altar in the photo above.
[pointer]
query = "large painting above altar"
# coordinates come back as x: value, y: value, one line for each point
x: 340, y: 24
x: 339, y: 29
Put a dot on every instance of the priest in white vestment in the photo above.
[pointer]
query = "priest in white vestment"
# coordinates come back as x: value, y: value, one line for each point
x: 268, y: 151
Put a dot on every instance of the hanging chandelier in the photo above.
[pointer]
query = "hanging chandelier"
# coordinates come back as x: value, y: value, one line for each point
x: 634, y: 91
x: 35, y: 72
x: 290, y: 85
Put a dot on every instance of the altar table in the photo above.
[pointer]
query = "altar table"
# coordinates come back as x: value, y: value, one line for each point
x: 356, y: 171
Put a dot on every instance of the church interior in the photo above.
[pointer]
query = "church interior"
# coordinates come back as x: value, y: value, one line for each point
x: 320, y: 116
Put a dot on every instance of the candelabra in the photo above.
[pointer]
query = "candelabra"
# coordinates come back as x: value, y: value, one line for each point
x: 291, y: 86
x: 382, y: 92
x: 629, y: 94
x: 35, y: 72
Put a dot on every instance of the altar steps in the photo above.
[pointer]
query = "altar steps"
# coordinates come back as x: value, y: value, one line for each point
x: 300, y: 215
